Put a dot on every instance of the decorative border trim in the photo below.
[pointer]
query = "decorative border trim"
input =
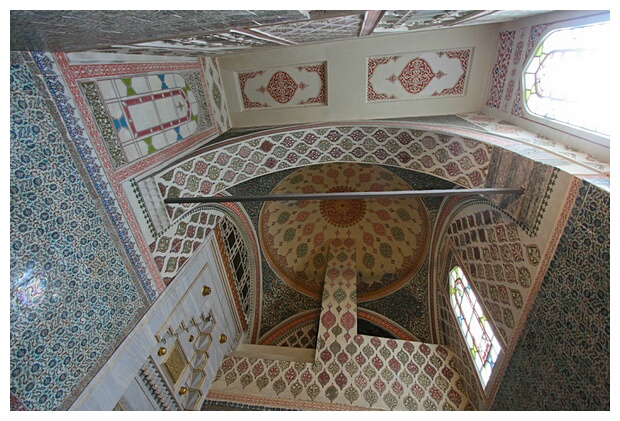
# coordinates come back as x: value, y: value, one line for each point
x: 386, y: 324
x: 281, y: 403
x: 126, y: 214
x: 560, y: 223
x: 230, y: 277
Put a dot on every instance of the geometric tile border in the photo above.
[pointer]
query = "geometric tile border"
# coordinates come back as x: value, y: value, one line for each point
x: 105, y: 177
x: 216, y: 93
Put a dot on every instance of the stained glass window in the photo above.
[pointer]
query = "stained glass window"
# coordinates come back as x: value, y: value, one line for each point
x: 565, y: 78
x: 483, y: 346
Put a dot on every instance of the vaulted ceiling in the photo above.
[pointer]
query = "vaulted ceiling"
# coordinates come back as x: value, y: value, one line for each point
x: 292, y: 239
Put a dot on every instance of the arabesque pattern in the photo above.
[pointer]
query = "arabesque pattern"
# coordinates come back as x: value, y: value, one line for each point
x: 417, y: 75
x: 288, y: 86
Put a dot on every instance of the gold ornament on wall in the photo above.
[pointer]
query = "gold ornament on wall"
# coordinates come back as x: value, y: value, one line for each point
x: 223, y: 338
x: 206, y: 291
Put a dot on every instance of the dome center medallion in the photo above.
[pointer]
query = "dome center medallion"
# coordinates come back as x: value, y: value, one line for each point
x: 343, y: 212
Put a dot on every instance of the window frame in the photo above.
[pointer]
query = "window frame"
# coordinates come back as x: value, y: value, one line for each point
x: 493, y: 347
x: 582, y: 133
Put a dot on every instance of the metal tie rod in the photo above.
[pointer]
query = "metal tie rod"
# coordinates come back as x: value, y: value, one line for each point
x: 343, y: 195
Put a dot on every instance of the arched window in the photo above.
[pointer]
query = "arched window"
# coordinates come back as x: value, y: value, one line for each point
x: 483, y: 346
x: 566, y: 78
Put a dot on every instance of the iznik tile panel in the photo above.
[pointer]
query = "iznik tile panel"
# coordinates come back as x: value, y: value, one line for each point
x: 72, y: 298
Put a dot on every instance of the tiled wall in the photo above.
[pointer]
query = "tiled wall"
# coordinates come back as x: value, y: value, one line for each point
x: 499, y: 259
x: 72, y: 297
x: 562, y: 359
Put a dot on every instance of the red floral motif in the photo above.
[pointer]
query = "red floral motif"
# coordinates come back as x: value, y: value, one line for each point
x: 290, y: 375
x: 447, y: 373
x: 430, y: 370
x: 319, y: 239
x: 323, y: 378
x: 328, y: 319
x: 227, y: 365
x: 273, y: 371
x: 360, y: 359
x: 398, y: 388
x: 416, y: 75
x: 454, y: 396
x: 394, y: 365
x: 435, y: 393
x: 326, y: 356
x: 341, y: 380
x: 376, y: 361
x: 360, y: 382
x: 373, y: 63
x: 258, y: 369
x: 412, y: 367
x: 348, y: 320
x: 375, y: 342
x: 319, y: 69
x: 349, y: 275
x: 243, y: 78
x: 379, y: 386
x: 308, y: 228
x: 500, y: 69
x: 342, y: 357
x: 242, y: 367
x: 282, y: 87
x: 417, y: 391
x: 306, y: 377
x: 409, y: 347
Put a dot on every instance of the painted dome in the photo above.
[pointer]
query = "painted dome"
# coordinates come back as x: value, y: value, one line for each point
x: 391, y: 235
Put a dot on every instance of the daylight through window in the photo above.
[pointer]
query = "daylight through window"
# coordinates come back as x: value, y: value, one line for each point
x: 483, y: 346
x: 564, y: 80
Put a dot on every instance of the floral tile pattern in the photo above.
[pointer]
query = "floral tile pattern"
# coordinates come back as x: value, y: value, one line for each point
x: 567, y: 334
x: 459, y: 160
x: 73, y: 297
x: 349, y: 369
x: 216, y: 94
